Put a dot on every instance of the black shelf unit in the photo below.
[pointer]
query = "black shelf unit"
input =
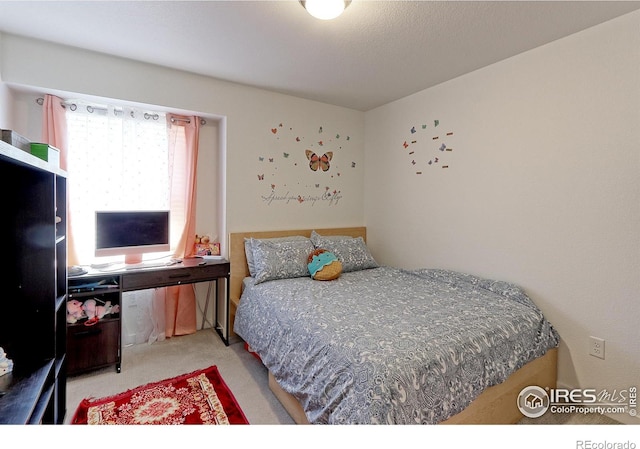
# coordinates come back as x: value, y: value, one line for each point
x: 34, y: 279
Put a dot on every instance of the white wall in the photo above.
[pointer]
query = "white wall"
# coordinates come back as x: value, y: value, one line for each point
x: 249, y: 114
x: 5, y: 100
x: 542, y: 188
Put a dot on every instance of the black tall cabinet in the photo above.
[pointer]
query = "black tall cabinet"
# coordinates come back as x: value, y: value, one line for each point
x: 34, y: 288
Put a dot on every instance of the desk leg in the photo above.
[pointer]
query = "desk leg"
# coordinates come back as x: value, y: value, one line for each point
x: 206, y: 304
x: 228, y: 311
x: 223, y: 335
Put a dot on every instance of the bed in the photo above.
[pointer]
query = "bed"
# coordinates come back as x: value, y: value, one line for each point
x: 382, y: 345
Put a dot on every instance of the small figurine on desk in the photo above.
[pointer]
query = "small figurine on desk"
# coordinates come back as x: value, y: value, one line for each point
x: 6, y: 365
x: 205, y: 247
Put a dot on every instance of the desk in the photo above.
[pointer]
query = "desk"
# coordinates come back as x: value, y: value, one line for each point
x: 108, y: 284
x: 190, y: 271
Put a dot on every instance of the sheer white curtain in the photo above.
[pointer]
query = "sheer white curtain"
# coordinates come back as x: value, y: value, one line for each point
x: 117, y: 159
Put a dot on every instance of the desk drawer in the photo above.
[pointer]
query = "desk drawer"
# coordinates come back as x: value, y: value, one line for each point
x: 143, y: 279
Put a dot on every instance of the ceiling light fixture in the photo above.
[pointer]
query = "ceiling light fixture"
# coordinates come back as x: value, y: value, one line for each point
x: 325, y: 9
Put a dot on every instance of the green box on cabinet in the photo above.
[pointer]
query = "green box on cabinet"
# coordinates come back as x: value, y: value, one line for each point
x: 46, y: 152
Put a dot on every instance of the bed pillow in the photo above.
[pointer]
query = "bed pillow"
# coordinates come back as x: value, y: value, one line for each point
x: 248, y: 250
x: 351, y: 251
x: 280, y: 258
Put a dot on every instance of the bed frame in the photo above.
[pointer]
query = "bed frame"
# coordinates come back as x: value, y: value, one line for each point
x: 496, y: 405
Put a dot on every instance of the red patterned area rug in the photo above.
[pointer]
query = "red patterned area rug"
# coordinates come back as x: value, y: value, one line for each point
x: 200, y: 397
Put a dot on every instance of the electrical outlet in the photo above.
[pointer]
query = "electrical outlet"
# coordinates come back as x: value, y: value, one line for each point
x: 596, y: 347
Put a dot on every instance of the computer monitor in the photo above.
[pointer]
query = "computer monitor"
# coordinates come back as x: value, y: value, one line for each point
x: 131, y: 233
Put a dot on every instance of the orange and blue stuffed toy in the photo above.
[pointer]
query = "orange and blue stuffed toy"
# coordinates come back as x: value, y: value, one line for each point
x: 323, y: 265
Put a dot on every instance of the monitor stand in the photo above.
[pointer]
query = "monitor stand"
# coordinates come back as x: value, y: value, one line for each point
x: 133, y: 259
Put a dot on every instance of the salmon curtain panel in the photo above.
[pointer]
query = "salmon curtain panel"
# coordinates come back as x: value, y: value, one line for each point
x: 180, y: 301
x: 54, y: 133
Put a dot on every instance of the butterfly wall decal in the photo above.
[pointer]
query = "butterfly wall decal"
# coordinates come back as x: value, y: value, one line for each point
x: 319, y: 162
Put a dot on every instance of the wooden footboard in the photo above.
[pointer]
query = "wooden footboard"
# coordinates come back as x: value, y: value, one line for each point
x: 288, y: 401
x: 496, y: 405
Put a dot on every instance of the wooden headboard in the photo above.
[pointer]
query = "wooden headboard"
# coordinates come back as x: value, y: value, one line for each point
x: 238, y: 259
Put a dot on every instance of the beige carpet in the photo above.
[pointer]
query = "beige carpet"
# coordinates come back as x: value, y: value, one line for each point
x: 143, y: 363
x: 243, y: 373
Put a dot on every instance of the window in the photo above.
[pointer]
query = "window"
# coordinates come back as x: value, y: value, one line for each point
x: 118, y: 158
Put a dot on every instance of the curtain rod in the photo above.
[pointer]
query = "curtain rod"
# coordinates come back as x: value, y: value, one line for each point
x: 72, y: 106
x: 178, y: 119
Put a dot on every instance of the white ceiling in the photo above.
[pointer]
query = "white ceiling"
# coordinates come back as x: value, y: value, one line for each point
x: 376, y: 52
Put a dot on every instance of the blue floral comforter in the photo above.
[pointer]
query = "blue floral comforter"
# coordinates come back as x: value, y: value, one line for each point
x: 391, y: 346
